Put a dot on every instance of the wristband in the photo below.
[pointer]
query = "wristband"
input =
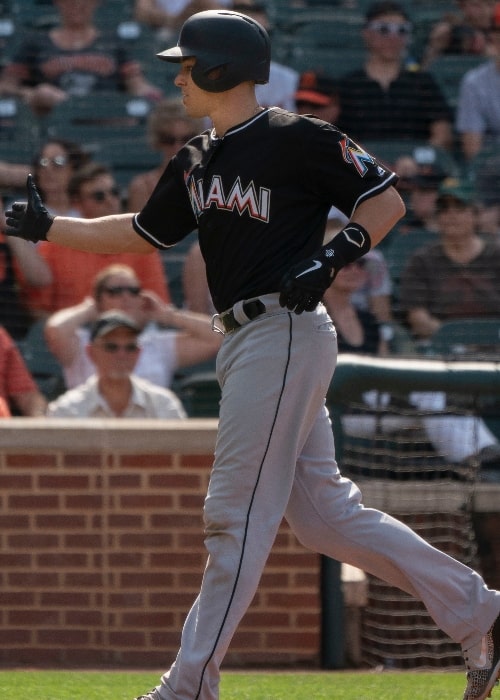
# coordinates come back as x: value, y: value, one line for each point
x: 347, y: 246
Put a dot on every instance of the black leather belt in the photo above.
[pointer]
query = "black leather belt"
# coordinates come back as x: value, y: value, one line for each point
x: 252, y: 309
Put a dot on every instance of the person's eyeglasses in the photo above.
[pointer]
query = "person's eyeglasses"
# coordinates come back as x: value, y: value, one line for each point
x: 111, y: 347
x: 56, y: 161
x: 390, y: 28
x: 100, y: 195
x: 170, y: 140
x: 122, y: 289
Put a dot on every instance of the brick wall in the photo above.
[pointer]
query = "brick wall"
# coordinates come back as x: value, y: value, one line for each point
x: 101, y: 549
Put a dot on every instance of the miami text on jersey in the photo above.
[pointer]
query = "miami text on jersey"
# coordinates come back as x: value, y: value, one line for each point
x: 250, y: 199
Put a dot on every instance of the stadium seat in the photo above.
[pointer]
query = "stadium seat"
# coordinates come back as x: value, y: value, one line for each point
x: 112, y: 129
x: 200, y: 394
x: 42, y: 364
x: 173, y: 262
x: 19, y: 131
x: 448, y: 71
x: 479, y: 337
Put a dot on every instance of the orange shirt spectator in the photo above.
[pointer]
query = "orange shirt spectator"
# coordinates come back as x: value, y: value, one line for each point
x: 73, y: 272
x: 17, y: 386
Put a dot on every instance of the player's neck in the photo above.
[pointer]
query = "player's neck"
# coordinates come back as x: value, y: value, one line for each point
x: 235, y: 107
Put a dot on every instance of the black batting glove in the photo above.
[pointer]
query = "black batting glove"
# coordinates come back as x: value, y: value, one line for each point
x: 29, y: 220
x: 304, y: 285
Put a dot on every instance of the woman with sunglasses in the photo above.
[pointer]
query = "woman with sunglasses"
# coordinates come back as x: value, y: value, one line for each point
x: 188, y: 340
x: 53, y: 166
x: 169, y: 128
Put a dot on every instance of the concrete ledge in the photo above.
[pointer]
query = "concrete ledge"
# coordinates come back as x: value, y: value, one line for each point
x: 191, y: 436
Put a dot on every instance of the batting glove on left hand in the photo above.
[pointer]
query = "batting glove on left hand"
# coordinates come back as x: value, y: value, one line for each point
x: 303, y: 286
x: 29, y: 220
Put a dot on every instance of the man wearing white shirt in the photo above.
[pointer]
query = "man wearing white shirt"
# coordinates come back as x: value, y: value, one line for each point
x: 114, y: 391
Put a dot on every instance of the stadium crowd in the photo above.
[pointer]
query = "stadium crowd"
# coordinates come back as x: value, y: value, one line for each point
x: 86, y: 108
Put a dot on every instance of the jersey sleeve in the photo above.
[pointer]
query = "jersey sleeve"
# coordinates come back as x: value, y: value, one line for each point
x: 341, y: 171
x: 167, y: 217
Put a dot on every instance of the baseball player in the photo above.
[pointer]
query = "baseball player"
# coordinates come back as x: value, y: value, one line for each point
x: 258, y: 187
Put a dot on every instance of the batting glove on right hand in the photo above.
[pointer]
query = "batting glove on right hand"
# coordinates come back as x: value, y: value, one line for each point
x: 29, y: 220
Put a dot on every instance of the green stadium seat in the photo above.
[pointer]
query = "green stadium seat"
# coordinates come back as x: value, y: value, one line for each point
x: 477, y: 337
x: 42, y: 364
x: 200, y: 394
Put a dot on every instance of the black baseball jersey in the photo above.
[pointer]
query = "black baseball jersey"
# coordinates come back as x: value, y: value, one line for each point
x: 259, y: 197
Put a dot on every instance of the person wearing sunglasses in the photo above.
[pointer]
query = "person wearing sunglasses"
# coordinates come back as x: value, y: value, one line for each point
x: 53, y: 166
x: 114, y: 391
x: 93, y: 192
x: 168, y: 129
x: 170, y: 338
x: 390, y: 98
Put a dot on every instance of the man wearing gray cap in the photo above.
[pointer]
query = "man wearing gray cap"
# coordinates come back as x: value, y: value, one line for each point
x: 114, y: 391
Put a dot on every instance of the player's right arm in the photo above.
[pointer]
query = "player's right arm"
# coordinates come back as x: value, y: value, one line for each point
x: 31, y: 221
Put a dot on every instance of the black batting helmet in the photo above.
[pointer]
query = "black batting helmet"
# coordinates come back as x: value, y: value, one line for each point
x: 229, y: 48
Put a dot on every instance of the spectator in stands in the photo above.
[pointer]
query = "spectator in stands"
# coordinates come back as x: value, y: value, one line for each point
x: 478, y: 108
x: 456, y: 438
x: 422, y: 193
x: 114, y: 390
x: 358, y: 330
x: 170, y: 338
x: 280, y: 90
x: 53, y: 166
x: 93, y: 192
x: 169, y: 127
x: 386, y: 99
x: 461, y: 33
x: 456, y: 277
x: 17, y: 387
x: 20, y: 264
x: 72, y: 58
x: 169, y: 15
x: 318, y: 94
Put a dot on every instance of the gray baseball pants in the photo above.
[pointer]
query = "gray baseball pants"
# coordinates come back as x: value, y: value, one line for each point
x: 275, y: 458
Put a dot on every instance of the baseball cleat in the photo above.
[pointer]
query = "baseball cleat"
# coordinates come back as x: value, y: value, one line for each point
x: 483, y: 669
x: 152, y: 695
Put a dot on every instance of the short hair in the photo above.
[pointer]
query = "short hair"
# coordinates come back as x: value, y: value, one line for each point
x: 385, y: 7
x: 77, y: 156
x: 168, y: 110
x: 102, y: 277
x: 87, y: 173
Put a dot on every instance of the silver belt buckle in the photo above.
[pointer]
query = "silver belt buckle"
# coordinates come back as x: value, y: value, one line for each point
x: 215, y: 327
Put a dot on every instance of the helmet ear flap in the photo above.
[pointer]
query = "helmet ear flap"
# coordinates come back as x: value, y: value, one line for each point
x: 209, y: 79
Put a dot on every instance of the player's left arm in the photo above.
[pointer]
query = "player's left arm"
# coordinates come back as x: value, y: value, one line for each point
x: 379, y: 214
x: 304, y: 285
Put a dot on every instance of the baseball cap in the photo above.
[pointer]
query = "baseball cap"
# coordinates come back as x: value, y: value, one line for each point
x: 457, y: 189
x: 379, y: 8
x: 428, y: 177
x: 316, y: 89
x: 110, y: 321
